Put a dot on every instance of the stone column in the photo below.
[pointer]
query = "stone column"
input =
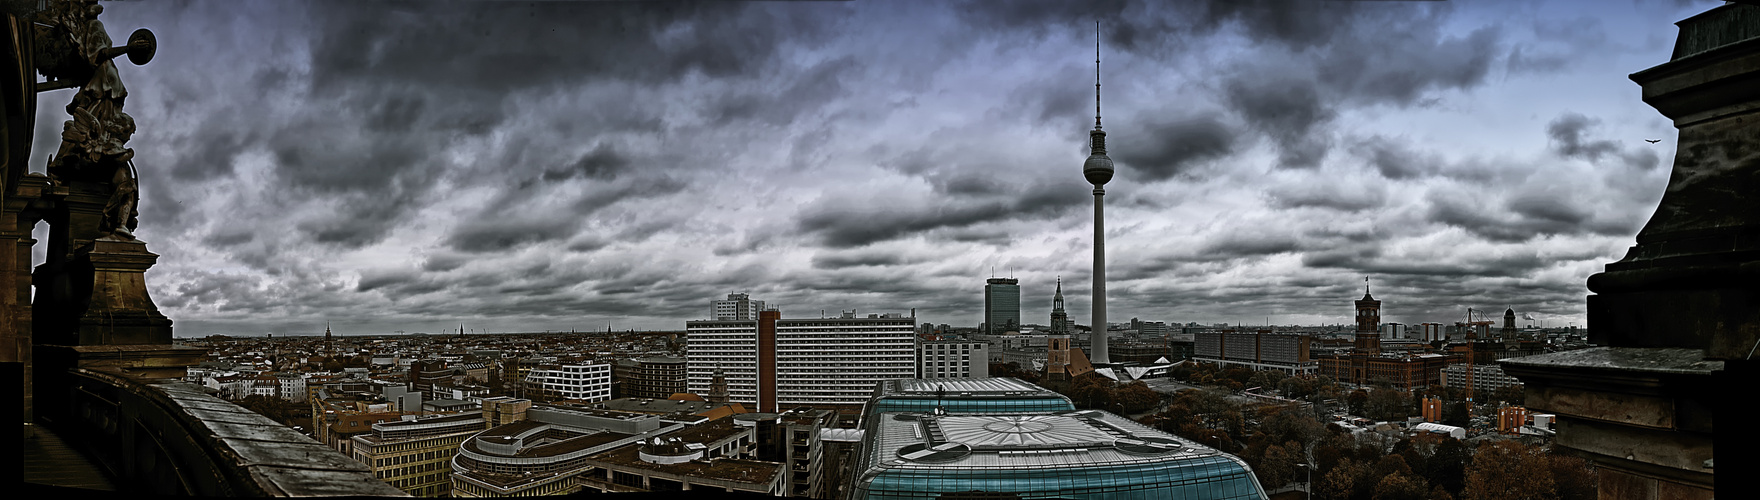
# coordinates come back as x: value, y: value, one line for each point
x: 18, y: 215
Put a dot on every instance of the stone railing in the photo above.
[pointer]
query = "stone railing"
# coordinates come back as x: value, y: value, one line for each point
x: 170, y: 438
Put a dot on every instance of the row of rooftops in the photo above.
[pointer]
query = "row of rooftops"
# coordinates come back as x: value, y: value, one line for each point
x: 308, y: 353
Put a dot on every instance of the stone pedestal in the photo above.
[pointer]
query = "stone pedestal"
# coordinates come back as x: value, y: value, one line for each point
x: 118, y: 310
x: 1642, y: 415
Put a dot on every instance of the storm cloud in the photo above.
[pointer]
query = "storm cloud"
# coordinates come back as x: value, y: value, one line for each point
x: 390, y: 166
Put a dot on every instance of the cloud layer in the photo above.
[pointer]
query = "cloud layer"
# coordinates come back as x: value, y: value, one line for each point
x: 578, y: 165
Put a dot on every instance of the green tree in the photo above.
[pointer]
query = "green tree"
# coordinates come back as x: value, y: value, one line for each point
x: 1455, y: 414
x: 1356, y: 401
x: 1575, y: 478
x: 1137, y: 397
x: 1266, y: 379
x: 1400, y: 487
x: 1511, y: 394
x: 1239, y: 375
x: 1509, y: 470
x: 1183, y: 371
x: 1278, y: 467
x: 1288, y: 425
x: 1446, y: 467
x: 1295, y: 387
x: 1349, y: 480
x: 1388, y: 404
x: 1333, y: 448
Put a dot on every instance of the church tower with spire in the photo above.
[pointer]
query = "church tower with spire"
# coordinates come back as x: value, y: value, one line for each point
x: 1059, y: 319
x: 718, y: 393
x: 1368, y: 334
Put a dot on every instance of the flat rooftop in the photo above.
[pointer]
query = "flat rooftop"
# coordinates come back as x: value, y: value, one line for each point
x: 725, y: 469
x: 707, y: 432
x: 1067, y: 439
x: 962, y: 387
x: 644, y: 405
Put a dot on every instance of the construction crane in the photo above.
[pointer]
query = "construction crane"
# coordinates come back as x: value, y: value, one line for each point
x: 1471, y: 328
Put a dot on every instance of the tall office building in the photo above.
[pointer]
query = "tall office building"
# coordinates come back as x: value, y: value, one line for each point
x: 1002, y: 305
x: 771, y: 363
x: 738, y: 306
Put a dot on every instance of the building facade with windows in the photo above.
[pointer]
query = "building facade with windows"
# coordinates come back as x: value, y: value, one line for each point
x: 1261, y: 350
x: 1002, y: 305
x: 773, y: 363
x: 738, y: 306
x: 1487, y: 377
x: 413, y: 453
x: 649, y: 377
x: 953, y: 359
x: 590, y: 382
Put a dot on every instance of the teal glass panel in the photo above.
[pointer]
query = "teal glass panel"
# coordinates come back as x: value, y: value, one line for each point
x: 1199, y: 478
x: 971, y: 405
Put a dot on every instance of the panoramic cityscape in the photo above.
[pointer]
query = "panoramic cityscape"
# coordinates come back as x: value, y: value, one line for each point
x: 842, y: 250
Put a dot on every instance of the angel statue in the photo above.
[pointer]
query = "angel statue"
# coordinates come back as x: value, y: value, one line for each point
x: 74, y: 48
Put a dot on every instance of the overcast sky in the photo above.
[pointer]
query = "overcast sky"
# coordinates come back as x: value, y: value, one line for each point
x: 385, y: 166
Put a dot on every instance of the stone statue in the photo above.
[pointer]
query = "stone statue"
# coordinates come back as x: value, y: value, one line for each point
x: 93, y: 143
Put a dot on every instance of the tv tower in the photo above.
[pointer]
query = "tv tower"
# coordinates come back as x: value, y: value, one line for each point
x: 1098, y: 170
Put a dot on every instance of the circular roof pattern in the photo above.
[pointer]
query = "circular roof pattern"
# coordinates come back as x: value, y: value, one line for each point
x: 1017, y: 426
x: 1020, y: 430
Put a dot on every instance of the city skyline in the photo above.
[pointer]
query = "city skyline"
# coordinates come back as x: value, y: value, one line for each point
x: 574, y: 166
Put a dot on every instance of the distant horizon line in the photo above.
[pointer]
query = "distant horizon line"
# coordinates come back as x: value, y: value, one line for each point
x: 602, y: 332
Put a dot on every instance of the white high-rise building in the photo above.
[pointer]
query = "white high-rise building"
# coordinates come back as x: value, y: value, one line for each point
x: 589, y: 382
x: 738, y: 306
x: 773, y: 363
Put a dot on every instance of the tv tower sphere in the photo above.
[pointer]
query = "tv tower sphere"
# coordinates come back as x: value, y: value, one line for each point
x: 1098, y: 168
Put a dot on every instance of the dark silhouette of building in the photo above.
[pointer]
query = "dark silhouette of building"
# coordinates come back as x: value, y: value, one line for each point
x: 1677, y: 320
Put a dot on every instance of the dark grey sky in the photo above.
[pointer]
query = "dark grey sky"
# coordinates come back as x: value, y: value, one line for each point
x: 575, y: 165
